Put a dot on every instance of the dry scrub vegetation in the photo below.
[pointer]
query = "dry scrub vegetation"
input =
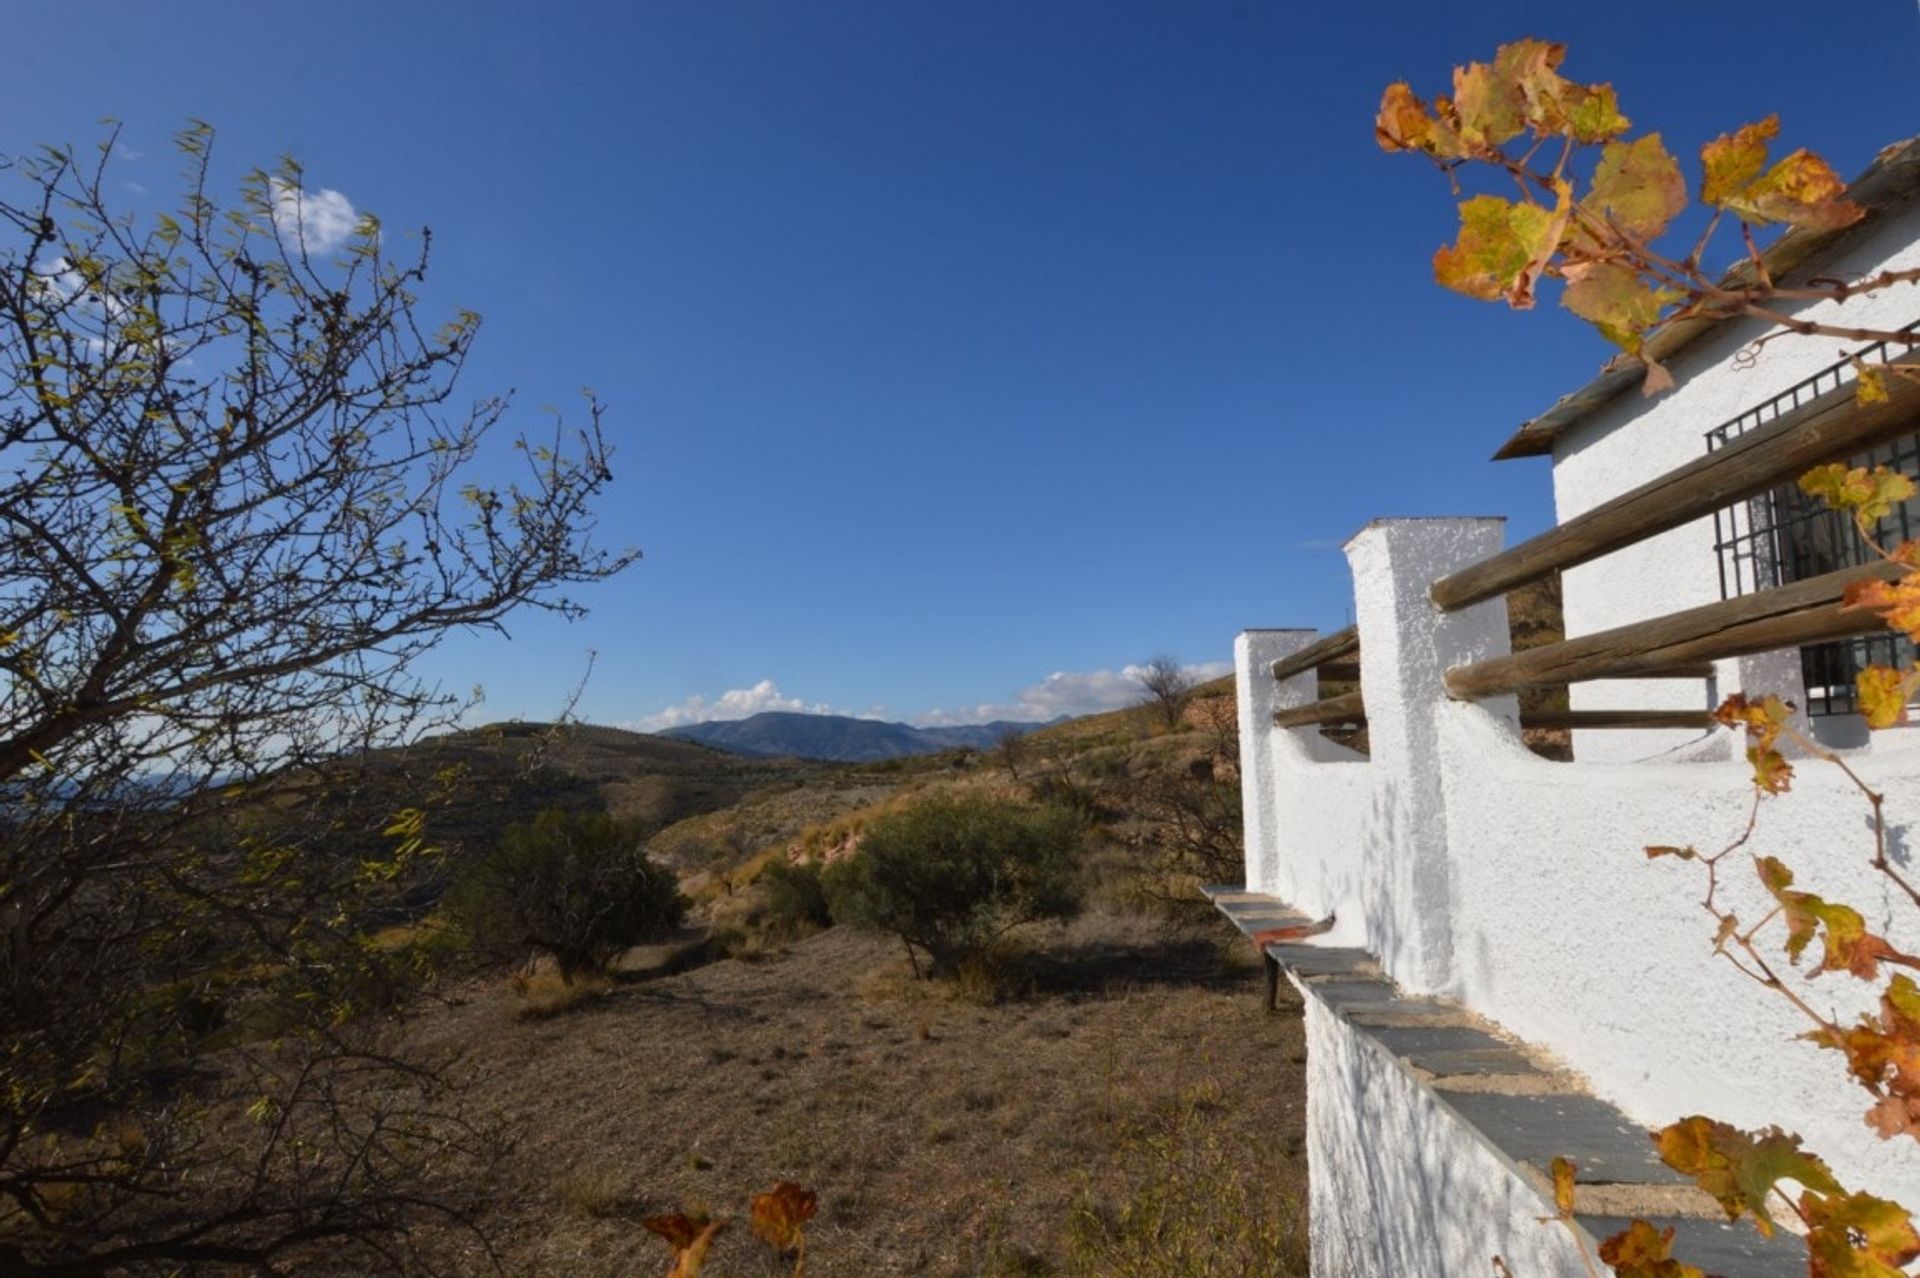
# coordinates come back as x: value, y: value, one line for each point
x: 1100, y: 1097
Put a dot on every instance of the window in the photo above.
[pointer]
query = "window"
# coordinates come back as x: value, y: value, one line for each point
x: 1783, y: 536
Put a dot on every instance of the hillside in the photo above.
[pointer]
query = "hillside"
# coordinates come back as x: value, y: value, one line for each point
x: 839, y: 738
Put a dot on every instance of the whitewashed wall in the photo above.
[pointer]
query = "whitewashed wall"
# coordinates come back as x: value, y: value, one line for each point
x: 1632, y: 440
x: 1478, y: 871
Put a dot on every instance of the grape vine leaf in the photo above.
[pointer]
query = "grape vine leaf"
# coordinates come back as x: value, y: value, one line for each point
x: 781, y: 1214
x: 1404, y: 124
x: 1615, y: 300
x: 1801, y: 190
x: 1739, y: 1168
x: 1858, y: 1236
x: 1883, y: 694
x: 1870, y: 384
x: 1502, y: 247
x: 1897, y: 602
x: 1868, y: 495
x: 1638, y: 187
x: 690, y: 1237
x: 1883, y: 1054
x: 1641, y: 1251
x: 1764, y: 721
x: 1733, y: 160
x: 1563, y: 1173
x: 1491, y: 107
x: 1848, y: 946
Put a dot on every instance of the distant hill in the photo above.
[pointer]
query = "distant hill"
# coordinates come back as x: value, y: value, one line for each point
x: 838, y: 738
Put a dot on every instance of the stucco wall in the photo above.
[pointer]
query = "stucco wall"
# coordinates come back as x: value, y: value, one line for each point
x: 1633, y: 440
x: 1519, y: 887
x: 1399, y: 1185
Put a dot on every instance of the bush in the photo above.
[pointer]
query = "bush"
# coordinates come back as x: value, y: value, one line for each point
x: 576, y: 886
x: 796, y: 899
x: 951, y: 874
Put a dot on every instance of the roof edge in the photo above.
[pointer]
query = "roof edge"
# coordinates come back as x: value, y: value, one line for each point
x: 1890, y: 183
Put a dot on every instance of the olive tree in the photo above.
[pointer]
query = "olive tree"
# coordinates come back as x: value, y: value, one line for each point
x: 238, y: 501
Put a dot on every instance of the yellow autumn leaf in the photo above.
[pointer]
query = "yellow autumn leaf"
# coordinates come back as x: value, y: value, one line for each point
x: 1858, y: 1236
x: 1501, y: 249
x: 1801, y: 190
x: 1870, y: 385
x: 1638, y: 187
x: 1490, y: 105
x: 1563, y: 1173
x: 1883, y: 694
x: 1868, y: 495
x: 1641, y: 1251
x: 1733, y: 160
x: 1615, y: 300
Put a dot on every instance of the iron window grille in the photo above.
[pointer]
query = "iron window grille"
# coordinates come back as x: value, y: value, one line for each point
x: 1783, y: 535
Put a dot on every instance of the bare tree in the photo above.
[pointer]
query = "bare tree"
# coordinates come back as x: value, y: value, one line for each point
x: 237, y: 503
x: 1168, y: 686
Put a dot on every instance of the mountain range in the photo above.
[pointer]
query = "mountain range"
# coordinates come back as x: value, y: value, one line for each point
x: 839, y: 738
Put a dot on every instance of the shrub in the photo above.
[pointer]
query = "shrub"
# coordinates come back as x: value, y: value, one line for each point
x: 576, y: 886
x: 951, y: 874
x: 796, y: 899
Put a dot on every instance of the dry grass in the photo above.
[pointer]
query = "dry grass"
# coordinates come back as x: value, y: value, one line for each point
x: 541, y: 993
x: 945, y: 1137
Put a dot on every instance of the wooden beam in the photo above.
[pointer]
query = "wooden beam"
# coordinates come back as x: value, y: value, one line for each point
x: 1616, y: 719
x: 1344, y: 709
x: 1340, y: 643
x: 1788, y: 617
x: 1340, y: 710
x: 1829, y: 428
x: 1340, y: 672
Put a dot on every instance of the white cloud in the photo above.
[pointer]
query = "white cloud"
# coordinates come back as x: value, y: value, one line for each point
x: 735, y: 703
x: 313, y: 221
x: 1072, y: 693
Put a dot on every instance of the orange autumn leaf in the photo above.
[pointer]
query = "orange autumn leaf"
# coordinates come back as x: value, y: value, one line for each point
x: 1740, y: 1168
x: 1405, y: 124
x: 1897, y: 602
x: 1641, y: 1251
x: 781, y: 1214
x: 1883, y: 1055
x: 690, y: 1237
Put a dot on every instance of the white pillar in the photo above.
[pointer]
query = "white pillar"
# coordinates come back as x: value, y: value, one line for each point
x: 1259, y: 695
x: 1406, y: 646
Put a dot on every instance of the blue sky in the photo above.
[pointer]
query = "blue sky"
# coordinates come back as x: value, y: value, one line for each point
x: 948, y: 346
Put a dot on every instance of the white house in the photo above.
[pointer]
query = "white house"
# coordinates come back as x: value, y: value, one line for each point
x: 1541, y: 985
x: 1605, y: 438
